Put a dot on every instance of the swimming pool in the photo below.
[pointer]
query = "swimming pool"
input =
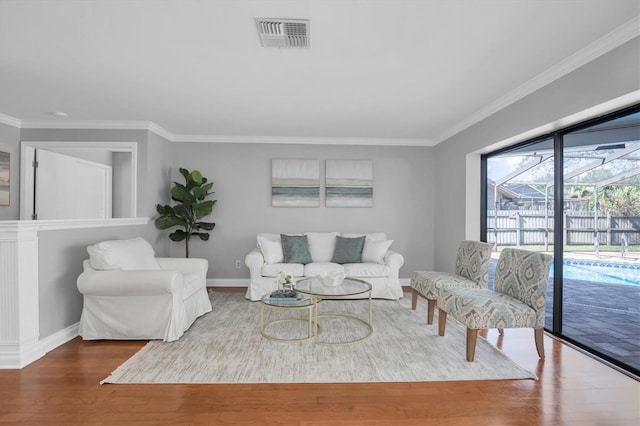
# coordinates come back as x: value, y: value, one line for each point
x: 602, y: 272
x: 590, y: 270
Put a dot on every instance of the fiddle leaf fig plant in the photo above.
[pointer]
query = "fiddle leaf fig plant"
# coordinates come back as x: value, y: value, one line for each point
x: 190, y: 206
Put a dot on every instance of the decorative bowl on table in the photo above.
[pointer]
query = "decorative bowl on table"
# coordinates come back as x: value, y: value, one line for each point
x: 332, y: 279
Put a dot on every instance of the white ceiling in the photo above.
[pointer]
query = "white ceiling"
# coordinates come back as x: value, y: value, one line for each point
x: 380, y: 72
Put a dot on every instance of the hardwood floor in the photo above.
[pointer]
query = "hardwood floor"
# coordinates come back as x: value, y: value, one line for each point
x: 63, y: 389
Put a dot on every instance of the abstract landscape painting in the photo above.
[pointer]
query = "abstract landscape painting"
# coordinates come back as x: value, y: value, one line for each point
x: 5, y: 174
x: 295, y: 183
x: 349, y: 183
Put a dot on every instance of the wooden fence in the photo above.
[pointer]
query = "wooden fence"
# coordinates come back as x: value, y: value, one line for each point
x: 531, y: 227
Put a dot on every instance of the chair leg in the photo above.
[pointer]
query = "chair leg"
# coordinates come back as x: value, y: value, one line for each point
x: 472, y: 338
x: 442, y: 321
x: 414, y: 299
x: 539, y: 336
x: 431, y: 307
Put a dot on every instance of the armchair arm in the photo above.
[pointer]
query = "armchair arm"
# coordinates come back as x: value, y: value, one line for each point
x: 129, y: 283
x: 254, y: 261
x: 394, y: 260
x: 184, y: 265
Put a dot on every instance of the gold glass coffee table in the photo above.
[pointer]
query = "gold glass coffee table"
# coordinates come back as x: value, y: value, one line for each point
x: 304, y: 303
x: 316, y: 289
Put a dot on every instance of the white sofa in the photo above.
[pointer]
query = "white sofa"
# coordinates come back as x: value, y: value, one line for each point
x: 129, y: 294
x: 379, y: 265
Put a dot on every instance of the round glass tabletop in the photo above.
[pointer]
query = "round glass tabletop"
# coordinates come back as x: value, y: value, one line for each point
x: 315, y: 286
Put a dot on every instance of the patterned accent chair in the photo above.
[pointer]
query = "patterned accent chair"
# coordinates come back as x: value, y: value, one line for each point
x: 518, y: 301
x: 472, y: 270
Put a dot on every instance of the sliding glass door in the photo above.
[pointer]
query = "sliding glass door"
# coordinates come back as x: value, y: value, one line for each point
x: 601, y: 276
x: 576, y: 194
x: 520, y: 202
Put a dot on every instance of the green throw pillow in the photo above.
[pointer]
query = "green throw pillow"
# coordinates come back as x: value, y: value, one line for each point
x: 348, y: 250
x: 295, y: 249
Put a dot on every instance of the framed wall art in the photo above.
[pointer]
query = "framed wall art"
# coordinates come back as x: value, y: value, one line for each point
x: 349, y: 183
x: 295, y: 183
x: 5, y: 178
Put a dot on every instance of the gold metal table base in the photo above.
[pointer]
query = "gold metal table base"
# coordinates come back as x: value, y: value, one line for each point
x: 311, y: 330
x: 316, y: 333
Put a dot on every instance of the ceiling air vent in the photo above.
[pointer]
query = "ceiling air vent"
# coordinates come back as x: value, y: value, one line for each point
x: 283, y: 32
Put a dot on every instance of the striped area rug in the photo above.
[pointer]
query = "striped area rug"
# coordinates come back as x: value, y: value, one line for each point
x: 225, y: 346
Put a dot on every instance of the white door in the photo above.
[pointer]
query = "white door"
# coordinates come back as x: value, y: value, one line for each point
x: 71, y: 188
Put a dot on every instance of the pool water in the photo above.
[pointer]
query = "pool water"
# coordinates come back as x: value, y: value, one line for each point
x: 602, y: 272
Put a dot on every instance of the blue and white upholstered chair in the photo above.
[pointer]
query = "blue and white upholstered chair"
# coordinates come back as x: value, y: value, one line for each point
x: 518, y: 300
x: 472, y: 270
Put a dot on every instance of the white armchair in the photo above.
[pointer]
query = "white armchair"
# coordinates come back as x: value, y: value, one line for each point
x: 130, y: 295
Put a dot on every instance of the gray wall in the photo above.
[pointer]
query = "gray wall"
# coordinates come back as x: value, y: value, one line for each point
x: 610, y: 76
x: 10, y: 142
x: 158, y: 166
x: 403, y: 194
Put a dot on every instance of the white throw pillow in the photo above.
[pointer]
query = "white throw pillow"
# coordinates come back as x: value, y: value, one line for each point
x: 374, y: 251
x: 322, y: 245
x: 271, y: 247
x: 132, y: 254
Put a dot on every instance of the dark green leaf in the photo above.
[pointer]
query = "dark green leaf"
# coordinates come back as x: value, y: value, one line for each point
x: 167, y: 222
x: 184, y: 173
x: 206, y: 225
x: 178, y: 235
x: 203, y: 236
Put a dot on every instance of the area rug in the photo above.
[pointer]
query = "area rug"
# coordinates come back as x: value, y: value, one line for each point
x: 225, y: 346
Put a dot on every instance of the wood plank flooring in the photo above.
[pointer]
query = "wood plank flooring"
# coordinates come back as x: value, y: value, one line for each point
x: 63, y: 389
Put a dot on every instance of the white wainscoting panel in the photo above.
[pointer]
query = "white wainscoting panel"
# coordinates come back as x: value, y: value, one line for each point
x: 19, y: 299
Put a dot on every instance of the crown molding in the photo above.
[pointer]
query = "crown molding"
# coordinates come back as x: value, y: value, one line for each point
x: 610, y: 41
x: 10, y: 121
x: 99, y: 125
x: 160, y: 131
x: 87, y: 124
x: 306, y: 140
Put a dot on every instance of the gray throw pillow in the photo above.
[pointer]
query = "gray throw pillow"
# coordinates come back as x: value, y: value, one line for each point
x: 348, y: 250
x: 295, y: 249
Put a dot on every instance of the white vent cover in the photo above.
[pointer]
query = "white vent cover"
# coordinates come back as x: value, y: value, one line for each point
x: 283, y: 32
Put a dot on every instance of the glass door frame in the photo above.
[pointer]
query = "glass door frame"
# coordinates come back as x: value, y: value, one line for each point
x: 558, y: 205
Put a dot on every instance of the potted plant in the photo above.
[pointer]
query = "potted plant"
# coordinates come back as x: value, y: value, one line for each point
x: 190, y: 207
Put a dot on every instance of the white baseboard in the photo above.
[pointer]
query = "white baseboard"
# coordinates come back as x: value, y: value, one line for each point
x: 59, y: 338
x: 16, y: 357
x: 228, y: 282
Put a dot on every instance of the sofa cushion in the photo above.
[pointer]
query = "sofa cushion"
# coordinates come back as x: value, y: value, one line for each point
x: 322, y: 245
x: 374, y: 251
x: 348, y: 250
x: 295, y: 248
x: 271, y: 247
x: 319, y: 268
x: 273, y: 269
x: 375, y: 236
x: 131, y: 254
x: 366, y: 270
